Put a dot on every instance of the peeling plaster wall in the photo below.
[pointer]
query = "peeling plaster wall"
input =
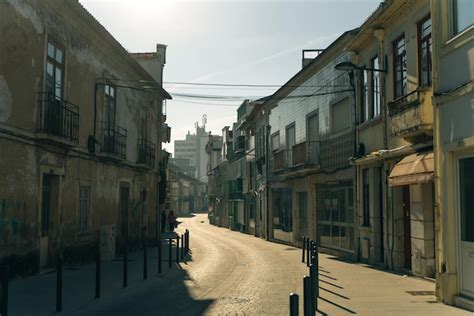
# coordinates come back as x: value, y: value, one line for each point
x: 90, y: 54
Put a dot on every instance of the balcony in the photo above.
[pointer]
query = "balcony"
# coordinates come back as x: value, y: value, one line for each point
x: 146, y: 153
x: 114, y: 141
x: 412, y: 116
x: 235, y: 188
x: 279, y: 160
x: 305, y: 154
x: 336, y: 151
x: 59, y: 120
x: 240, y: 144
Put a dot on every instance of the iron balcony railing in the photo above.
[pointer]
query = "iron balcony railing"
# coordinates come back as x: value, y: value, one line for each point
x: 114, y: 139
x: 58, y: 117
x: 146, y: 152
x: 305, y: 153
x: 404, y: 102
x: 279, y: 160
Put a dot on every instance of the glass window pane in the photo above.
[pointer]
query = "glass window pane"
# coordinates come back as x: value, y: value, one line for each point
x: 466, y: 176
x: 59, y: 55
x: 50, y: 50
x: 463, y: 14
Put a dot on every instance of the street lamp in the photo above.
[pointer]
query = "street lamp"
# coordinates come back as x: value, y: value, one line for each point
x: 348, y: 66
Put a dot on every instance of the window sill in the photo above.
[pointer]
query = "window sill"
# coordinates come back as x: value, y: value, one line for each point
x: 458, y: 40
x: 370, y: 123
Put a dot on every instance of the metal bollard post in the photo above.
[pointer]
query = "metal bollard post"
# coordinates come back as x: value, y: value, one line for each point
x: 294, y: 304
x: 303, y: 243
x: 316, y: 266
x: 307, y: 296
x: 145, y: 260
x: 312, y: 275
x: 4, y: 297
x: 97, y: 274
x: 59, y: 284
x: 125, y: 267
x: 187, y: 241
x: 160, y: 259
x: 169, y: 252
x: 182, y: 247
x: 177, y: 248
x: 308, y: 251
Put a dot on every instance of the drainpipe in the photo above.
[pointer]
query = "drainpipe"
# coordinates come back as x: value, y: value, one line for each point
x: 379, y: 34
x: 267, y: 167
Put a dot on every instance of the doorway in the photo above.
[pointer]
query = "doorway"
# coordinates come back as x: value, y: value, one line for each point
x: 124, y: 202
x: 466, y: 224
x: 49, y: 205
x: 407, y: 226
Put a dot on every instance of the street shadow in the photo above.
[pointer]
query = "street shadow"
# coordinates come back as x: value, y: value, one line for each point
x: 162, y: 293
x: 332, y: 284
x: 337, y: 305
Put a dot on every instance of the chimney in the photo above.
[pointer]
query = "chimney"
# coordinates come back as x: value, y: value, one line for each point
x: 161, y: 53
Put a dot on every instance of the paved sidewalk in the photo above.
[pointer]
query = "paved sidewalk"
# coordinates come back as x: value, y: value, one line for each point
x: 36, y: 295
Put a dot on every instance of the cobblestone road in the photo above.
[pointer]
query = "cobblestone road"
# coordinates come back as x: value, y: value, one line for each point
x: 229, y: 273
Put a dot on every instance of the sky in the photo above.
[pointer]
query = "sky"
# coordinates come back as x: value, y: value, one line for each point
x: 238, y: 42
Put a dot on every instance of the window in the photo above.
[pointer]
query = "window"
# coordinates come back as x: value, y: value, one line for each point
x: 143, y: 123
x: 55, y: 70
x: 365, y: 115
x: 463, y: 14
x: 376, y: 92
x: 366, y: 198
x: 276, y: 142
x: 84, y: 208
x: 424, y: 52
x: 303, y: 206
x: 290, y: 142
x: 399, y: 68
x: 340, y: 115
x: 110, y: 104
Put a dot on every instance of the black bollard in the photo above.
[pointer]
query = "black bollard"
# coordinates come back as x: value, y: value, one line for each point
x: 125, y: 268
x: 307, y: 296
x: 145, y: 260
x: 294, y: 304
x: 177, y: 248
x: 4, y: 297
x: 308, y: 251
x: 303, y: 243
x: 187, y: 241
x: 97, y: 274
x: 312, y: 275
x: 182, y: 247
x: 160, y: 259
x: 59, y: 284
x: 169, y: 252
x: 316, y: 266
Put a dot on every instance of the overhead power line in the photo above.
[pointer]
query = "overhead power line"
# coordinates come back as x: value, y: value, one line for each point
x: 250, y: 85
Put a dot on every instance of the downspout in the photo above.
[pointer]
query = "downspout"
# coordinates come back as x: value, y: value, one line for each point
x: 267, y: 167
x: 379, y: 34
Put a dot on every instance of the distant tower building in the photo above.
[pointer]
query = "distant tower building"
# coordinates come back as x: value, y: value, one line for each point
x: 194, y: 149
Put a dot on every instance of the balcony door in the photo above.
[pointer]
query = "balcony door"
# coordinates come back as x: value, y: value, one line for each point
x: 466, y: 224
x: 290, y: 142
x: 313, y: 138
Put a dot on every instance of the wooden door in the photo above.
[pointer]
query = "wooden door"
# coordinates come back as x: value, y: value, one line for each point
x: 407, y: 226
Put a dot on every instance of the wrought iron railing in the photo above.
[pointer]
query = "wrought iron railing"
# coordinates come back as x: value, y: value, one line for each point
x: 58, y: 117
x: 146, y: 152
x: 336, y: 151
x: 114, y: 139
x: 306, y: 153
x: 404, y: 102
x: 279, y: 160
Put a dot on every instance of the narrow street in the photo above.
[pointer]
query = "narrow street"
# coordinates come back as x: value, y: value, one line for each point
x: 229, y: 273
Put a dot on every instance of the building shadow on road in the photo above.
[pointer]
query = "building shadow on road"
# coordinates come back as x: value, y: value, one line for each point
x: 160, y: 294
